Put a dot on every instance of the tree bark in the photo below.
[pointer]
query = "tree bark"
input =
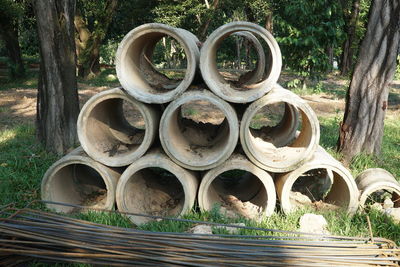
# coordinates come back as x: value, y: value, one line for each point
x: 10, y: 37
x: 57, y: 101
x: 269, y: 22
x: 367, y: 97
x: 348, y: 51
x: 88, y: 42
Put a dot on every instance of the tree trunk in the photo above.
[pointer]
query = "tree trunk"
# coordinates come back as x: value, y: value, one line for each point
x: 88, y: 42
x: 10, y: 37
x: 202, y: 33
x: 57, y: 101
x: 268, y: 22
x: 348, y: 51
x: 367, y: 97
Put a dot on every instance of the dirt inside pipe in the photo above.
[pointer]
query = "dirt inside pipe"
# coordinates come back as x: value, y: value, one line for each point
x: 239, y: 193
x: 154, y: 191
x: 384, y: 198
x: 312, y: 188
x: 163, y: 63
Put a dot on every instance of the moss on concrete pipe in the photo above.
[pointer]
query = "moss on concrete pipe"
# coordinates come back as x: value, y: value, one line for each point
x: 137, y: 74
x: 78, y: 179
x: 222, y: 87
x: 342, y: 190
x: 240, y: 178
x: 280, y: 148
x: 373, y: 180
x: 155, y: 185
x: 116, y: 129
x: 198, y: 146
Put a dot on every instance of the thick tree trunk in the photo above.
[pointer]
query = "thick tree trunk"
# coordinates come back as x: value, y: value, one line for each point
x: 57, y: 102
x: 88, y: 42
x: 367, y: 97
x: 10, y: 37
x: 348, y: 51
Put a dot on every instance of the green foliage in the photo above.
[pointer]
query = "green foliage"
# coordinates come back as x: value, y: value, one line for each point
x: 305, y: 30
x: 107, y: 52
x: 397, y: 75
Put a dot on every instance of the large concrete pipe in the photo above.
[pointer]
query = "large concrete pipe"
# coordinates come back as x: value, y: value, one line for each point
x: 322, y: 178
x: 154, y: 185
x: 137, y: 74
x: 198, y: 145
x: 239, y: 186
x: 78, y: 179
x: 115, y: 129
x: 222, y: 87
x: 280, y: 147
x: 377, y: 181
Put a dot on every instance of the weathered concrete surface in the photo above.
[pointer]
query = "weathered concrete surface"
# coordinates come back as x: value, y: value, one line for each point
x: 208, y: 145
x: 115, y: 129
x: 155, y: 185
x: 253, y: 185
x: 216, y: 81
x: 373, y: 180
x: 281, y: 148
x: 343, y: 191
x: 135, y: 71
x: 78, y: 179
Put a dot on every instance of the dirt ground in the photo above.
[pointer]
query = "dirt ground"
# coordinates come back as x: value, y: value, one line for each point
x: 18, y: 106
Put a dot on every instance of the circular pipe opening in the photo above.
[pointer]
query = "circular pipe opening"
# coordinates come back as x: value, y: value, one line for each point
x: 156, y: 62
x: 115, y: 129
x: 237, y: 187
x: 154, y: 185
x: 279, y: 132
x: 247, y: 87
x: 199, y: 130
x: 77, y: 183
x: 154, y: 191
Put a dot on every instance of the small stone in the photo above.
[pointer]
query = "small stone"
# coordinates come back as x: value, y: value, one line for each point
x: 111, y: 77
x: 388, y: 203
x: 394, y: 213
x: 313, y: 223
x: 201, y: 229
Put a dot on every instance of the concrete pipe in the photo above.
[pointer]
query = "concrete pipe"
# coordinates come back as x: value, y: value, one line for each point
x: 78, y: 179
x: 137, y: 74
x: 155, y: 185
x: 322, y: 182
x: 115, y: 129
x: 240, y: 187
x: 222, y: 87
x: 199, y: 145
x: 279, y: 147
x: 377, y: 181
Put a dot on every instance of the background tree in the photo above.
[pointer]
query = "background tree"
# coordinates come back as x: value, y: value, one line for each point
x: 10, y: 11
x: 92, y: 20
x: 367, y: 96
x: 305, y: 31
x: 57, y: 101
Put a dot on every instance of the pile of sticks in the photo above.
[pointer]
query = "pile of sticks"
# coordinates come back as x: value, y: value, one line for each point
x: 28, y: 234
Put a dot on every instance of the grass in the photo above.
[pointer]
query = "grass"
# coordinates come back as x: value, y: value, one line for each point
x: 23, y: 163
x: 107, y: 77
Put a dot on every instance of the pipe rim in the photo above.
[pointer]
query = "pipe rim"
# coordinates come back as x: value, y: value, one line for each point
x: 48, y: 177
x: 343, y: 173
x: 143, y: 92
x: 305, y: 111
x: 196, y: 163
x: 384, y: 185
x: 263, y: 176
x: 129, y: 157
x: 158, y: 161
x: 221, y: 89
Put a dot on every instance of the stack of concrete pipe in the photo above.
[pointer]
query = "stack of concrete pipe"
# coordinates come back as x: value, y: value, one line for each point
x: 166, y: 163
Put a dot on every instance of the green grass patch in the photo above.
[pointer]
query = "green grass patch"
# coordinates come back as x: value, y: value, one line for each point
x: 107, y: 77
x: 30, y: 80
